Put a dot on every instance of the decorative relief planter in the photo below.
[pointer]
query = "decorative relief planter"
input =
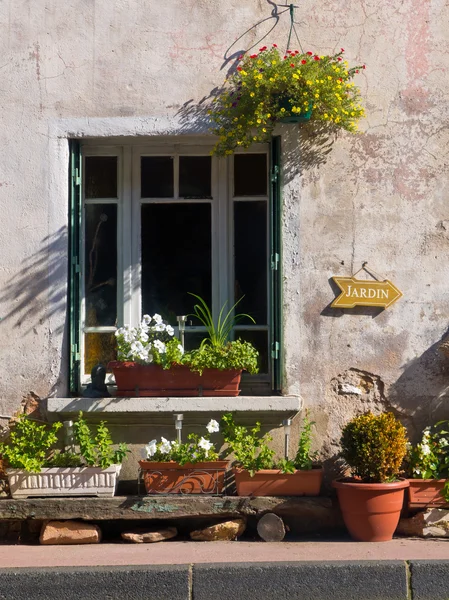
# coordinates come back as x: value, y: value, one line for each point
x: 426, y: 493
x: 172, y: 478
x: 136, y: 380
x: 271, y: 482
x: 370, y: 511
x: 67, y: 481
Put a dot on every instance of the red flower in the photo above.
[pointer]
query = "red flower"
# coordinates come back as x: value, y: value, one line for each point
x: 318, y: 58
x: 356, y: 70
x: 363, y: 66
x: 310, y: 53
x: 292, y: 64
x: 275, y: 45
x: 339, y: 58
x: 285, y: 57
x: 303, y: 62
x: 342, y: 49
x: 253, y: 56
x: 262, y: 49
x: 239, y: 69
x: 240, y: 57
x: 296, y: 51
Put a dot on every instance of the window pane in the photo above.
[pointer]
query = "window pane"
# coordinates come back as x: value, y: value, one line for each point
x: 259, y: 339
x: 250, y: 175
x: 157, y: 177
x: 101, y: 177
x: 192, y: 340
x: 101, y: 264
x: 250, y: 255
x: 195, y: 176
x: 176, y: 258
x: 99, y: 348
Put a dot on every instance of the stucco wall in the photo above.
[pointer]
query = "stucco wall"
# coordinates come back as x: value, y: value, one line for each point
x: 125, y: 67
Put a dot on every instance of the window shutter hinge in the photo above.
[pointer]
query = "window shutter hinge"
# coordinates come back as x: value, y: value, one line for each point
x: 274, y: 174
x: 76, y: 177
x: 75, y: 352
x: 274, y: 261
x: 275, y: 350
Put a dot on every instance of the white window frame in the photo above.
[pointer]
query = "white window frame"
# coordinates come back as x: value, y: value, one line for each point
x: 129, y: 153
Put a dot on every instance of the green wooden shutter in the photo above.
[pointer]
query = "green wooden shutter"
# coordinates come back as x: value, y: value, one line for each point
x: 276, y: 275
x: 75, y: 210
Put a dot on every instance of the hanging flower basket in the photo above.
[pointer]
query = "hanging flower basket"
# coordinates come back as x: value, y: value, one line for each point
x: 270, y: 87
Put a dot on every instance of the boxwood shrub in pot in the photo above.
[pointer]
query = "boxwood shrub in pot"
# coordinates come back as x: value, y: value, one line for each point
x: 373, y: 447
x: 257, y: 472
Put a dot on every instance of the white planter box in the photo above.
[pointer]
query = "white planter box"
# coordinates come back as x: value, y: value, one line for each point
x: 68, y: 481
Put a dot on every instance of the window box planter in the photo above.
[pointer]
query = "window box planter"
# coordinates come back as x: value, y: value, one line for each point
x: 370, y: 511
x: 426, y: 493
x: 136, y: 380
x: 69, y: 481
x: 271, y: 482
x: 172, y: 478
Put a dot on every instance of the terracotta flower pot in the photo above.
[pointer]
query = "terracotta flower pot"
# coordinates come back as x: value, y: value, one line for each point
x: 134, y: 379
x: 173, y: 478
x: 271, y: 482
x: 425, y: 493
x: 371, y: 511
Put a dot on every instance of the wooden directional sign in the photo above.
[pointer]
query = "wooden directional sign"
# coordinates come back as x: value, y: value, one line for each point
x: 361, y: 292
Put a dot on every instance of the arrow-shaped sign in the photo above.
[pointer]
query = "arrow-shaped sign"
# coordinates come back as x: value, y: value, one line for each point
x: 360, y: 292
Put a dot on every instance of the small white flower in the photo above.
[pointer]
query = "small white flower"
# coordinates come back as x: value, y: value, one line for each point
x: 425, y: 449
x: 180, y: 348
x: 159, y: 346
x: 143, y: 336
x: 157, y: 319
x: 417, y: 471
x: 213, y: 426
x: 205, y: 444
x: 151, y: 448
x: 169, y: 329
x: 159, y: 327
x: 146, y: 320
x: 165, y: 446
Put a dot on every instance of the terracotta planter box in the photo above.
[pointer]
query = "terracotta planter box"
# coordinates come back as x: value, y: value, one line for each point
x: 271, y: 482
x: 67, y: 481
x: 370, y: 511
x: 425, y: 493
x: 172, y: 478
x: 135, y: 380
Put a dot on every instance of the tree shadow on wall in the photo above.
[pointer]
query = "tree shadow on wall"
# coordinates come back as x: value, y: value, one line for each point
x: 423, y: 389
x: 39, y: 290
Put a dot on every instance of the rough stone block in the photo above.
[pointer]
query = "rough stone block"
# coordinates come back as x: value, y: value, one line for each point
x: 69, y: 532
x: 430, y: 579
x: 146, y: 536
x: 433, y: 522
x: 229, y: 530
x: 367, y: 580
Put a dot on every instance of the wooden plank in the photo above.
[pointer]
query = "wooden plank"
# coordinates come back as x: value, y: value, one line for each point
x: 317, y: 510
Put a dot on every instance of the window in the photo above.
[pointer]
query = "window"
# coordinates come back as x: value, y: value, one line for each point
x: 157, y: 222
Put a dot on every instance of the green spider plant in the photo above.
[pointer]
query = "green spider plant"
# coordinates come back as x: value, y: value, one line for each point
x: 219, y: 332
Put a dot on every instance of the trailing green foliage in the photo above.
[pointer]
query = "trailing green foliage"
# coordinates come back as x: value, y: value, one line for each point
x: 234, y: 355
x: 96, y: 450
x: 430, y: 458
x: 29, y: 445
x: 374, y: 447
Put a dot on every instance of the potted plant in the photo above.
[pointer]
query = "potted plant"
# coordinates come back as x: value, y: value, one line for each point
x: 35, y: 468
x: 428, y: 464
x: 269, y: 87
x: 152, y: 361
x: 192, y: 467
x: 256, y: 471
x: 373, y: 447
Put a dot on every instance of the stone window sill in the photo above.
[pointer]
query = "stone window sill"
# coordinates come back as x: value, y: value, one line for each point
x: 147, y: 409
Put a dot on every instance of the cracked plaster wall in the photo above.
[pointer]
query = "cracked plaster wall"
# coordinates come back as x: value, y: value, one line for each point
x: 381, y: 196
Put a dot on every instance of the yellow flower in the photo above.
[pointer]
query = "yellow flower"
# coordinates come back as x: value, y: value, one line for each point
x: 255, y: 139
x: 295, y: 76
x: 271, y: 78
x: 308, y: 82
x: 317, y: 95
x: 243, y: 73
x: 306, y: 103
x: 259, y: 121
x: 282, y: 109
x: 260, y: 76
x: 264, y: 130
x: 268, y: 115
x: 329, y: 77
x: 326, y: 116
x: 252, y: 94
x: 273, y: 62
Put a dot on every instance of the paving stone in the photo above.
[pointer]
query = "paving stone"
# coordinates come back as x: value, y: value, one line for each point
x: 149, y: 536
x: 229, y: 530
x: 430, y: 579
x: 365, y: 580
x: 69, y: 532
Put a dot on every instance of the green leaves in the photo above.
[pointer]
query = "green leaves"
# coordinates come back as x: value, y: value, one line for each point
x: 29, y: 445
x: 304, y: 457
x: 233, y: 355
x: 97, y: 450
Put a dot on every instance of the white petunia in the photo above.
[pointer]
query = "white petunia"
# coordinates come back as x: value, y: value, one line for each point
x: 146, y: 320
x: 444, y: 442
x: 213, y: 426
x: 159, y: 327
x: 159, y: 346
x: 157, y: 319
x: 165, y: 446
x: 151, y: 448
x: 180, y: 348
x: 425, y: 449
x: 205, y: 444
x: 169, y: 329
